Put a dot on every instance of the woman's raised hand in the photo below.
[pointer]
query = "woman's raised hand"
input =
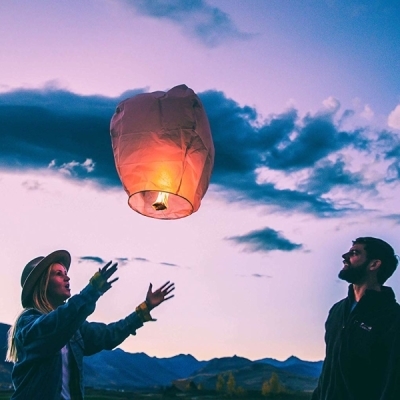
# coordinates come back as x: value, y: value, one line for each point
x: 153, y: 299
x: 100, y: 279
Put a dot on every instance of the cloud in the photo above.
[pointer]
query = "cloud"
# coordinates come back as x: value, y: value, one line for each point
x: 328, y: 174
x: 261, y: 276
x: 331, y: 104
x: 141, y: 259
x: 58, y: 130
x: 73, y: 167
x: 387, y: 146
x: 316, y: 137
x: 122, y: 261
x: 367, y: 112
x: 169, y: 264
x: 32, y: 185
x: 197, y: 18
x: 264, y: 240
x: 393, y: 217
x: 393, y: 172
x: 246, y: 190
x: 62, y: 102
x: 282, y: 142
x: 394, y: 118
x: 69, y: 134
x: 94, y: 259
x: 256, y: 275
x: 125, y: 260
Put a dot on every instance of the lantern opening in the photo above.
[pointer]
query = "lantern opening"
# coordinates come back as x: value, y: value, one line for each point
x: 176, y: 207
x: 161, y: 202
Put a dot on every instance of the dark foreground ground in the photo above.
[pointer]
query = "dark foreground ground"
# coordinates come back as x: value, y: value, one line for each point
x: 111, y: 395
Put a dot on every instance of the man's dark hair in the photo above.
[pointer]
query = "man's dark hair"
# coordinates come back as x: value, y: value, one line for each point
x: 378, y: 249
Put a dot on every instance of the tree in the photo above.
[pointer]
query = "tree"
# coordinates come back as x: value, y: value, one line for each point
x: 272, y: 386
x: 231, y: 384
x: 191, y: 386
x: 240, y: 391
x: 220, y: 383
x: 265, y: 390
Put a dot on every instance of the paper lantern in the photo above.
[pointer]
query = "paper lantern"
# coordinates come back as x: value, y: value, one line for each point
x: 163, y: 151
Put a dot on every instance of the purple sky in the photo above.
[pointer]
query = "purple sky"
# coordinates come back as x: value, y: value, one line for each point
x: 303, y: 100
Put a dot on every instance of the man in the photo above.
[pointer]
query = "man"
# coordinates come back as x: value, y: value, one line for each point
x: 363, y: 330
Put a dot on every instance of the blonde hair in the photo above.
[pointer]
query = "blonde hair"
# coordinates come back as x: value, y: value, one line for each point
x: 38, y: 301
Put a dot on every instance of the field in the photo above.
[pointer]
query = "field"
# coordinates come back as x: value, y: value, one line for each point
x: 111, y: 395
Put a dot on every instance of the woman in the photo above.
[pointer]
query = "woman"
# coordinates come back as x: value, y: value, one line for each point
x: 50, y: 337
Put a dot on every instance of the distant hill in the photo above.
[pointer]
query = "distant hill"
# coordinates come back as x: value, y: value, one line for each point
x: 135, y: 371
x: 182, y: 365
x: 249, y: 375
x: 218, y: 365
x: 296, y: 366
x: 117, y: 369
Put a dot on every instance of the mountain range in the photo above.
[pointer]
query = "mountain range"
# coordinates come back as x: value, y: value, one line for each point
x: 117, y: 369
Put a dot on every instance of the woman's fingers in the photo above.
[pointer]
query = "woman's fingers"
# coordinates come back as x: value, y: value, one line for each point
x: 104, y: 269
x: 111, y: 282
x: 163, y: 286
x: 166, y: 288
x: 106, y: 273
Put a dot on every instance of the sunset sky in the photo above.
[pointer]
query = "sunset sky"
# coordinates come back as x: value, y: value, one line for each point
x: 303, y: 100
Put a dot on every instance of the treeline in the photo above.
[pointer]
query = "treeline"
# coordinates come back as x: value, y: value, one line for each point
x: 269, y: 388
x: 226, y: 387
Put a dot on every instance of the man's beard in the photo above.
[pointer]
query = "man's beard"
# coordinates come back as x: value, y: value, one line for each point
x: 354, y: 275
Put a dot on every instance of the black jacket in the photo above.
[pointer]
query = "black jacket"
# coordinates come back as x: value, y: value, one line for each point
x: 362, y: 349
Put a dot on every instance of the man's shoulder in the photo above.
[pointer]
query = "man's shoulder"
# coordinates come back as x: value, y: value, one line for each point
x: 338, y: 306
x: 391, y: 303
x: 396, y: 310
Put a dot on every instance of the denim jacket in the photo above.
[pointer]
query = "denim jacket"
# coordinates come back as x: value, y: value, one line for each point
x: 39, y: 338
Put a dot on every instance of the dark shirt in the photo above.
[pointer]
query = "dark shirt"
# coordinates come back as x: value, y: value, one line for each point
x: 362, y: 349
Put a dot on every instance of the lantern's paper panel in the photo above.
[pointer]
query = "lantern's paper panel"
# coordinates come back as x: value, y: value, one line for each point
x: 162, y: 143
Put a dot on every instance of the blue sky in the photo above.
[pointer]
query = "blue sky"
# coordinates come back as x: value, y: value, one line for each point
x: 303, y: 100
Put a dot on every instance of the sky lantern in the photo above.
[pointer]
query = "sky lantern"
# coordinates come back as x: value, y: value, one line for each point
x: 163, y: 152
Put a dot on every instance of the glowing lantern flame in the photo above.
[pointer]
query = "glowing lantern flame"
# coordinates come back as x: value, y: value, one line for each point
x: 163, y: 152
x: 161, y: 202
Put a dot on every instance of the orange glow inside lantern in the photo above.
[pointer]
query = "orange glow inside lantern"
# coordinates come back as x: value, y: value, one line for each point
x: 163, y: 152
x: 161, y: 202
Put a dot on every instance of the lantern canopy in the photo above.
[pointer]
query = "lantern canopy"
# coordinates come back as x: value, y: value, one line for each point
x: 163, y: 152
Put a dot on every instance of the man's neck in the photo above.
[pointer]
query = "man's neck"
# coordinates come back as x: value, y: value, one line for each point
x: 359, y: 290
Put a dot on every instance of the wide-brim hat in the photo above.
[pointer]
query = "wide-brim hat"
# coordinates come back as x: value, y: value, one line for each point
x: 34, y: 269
